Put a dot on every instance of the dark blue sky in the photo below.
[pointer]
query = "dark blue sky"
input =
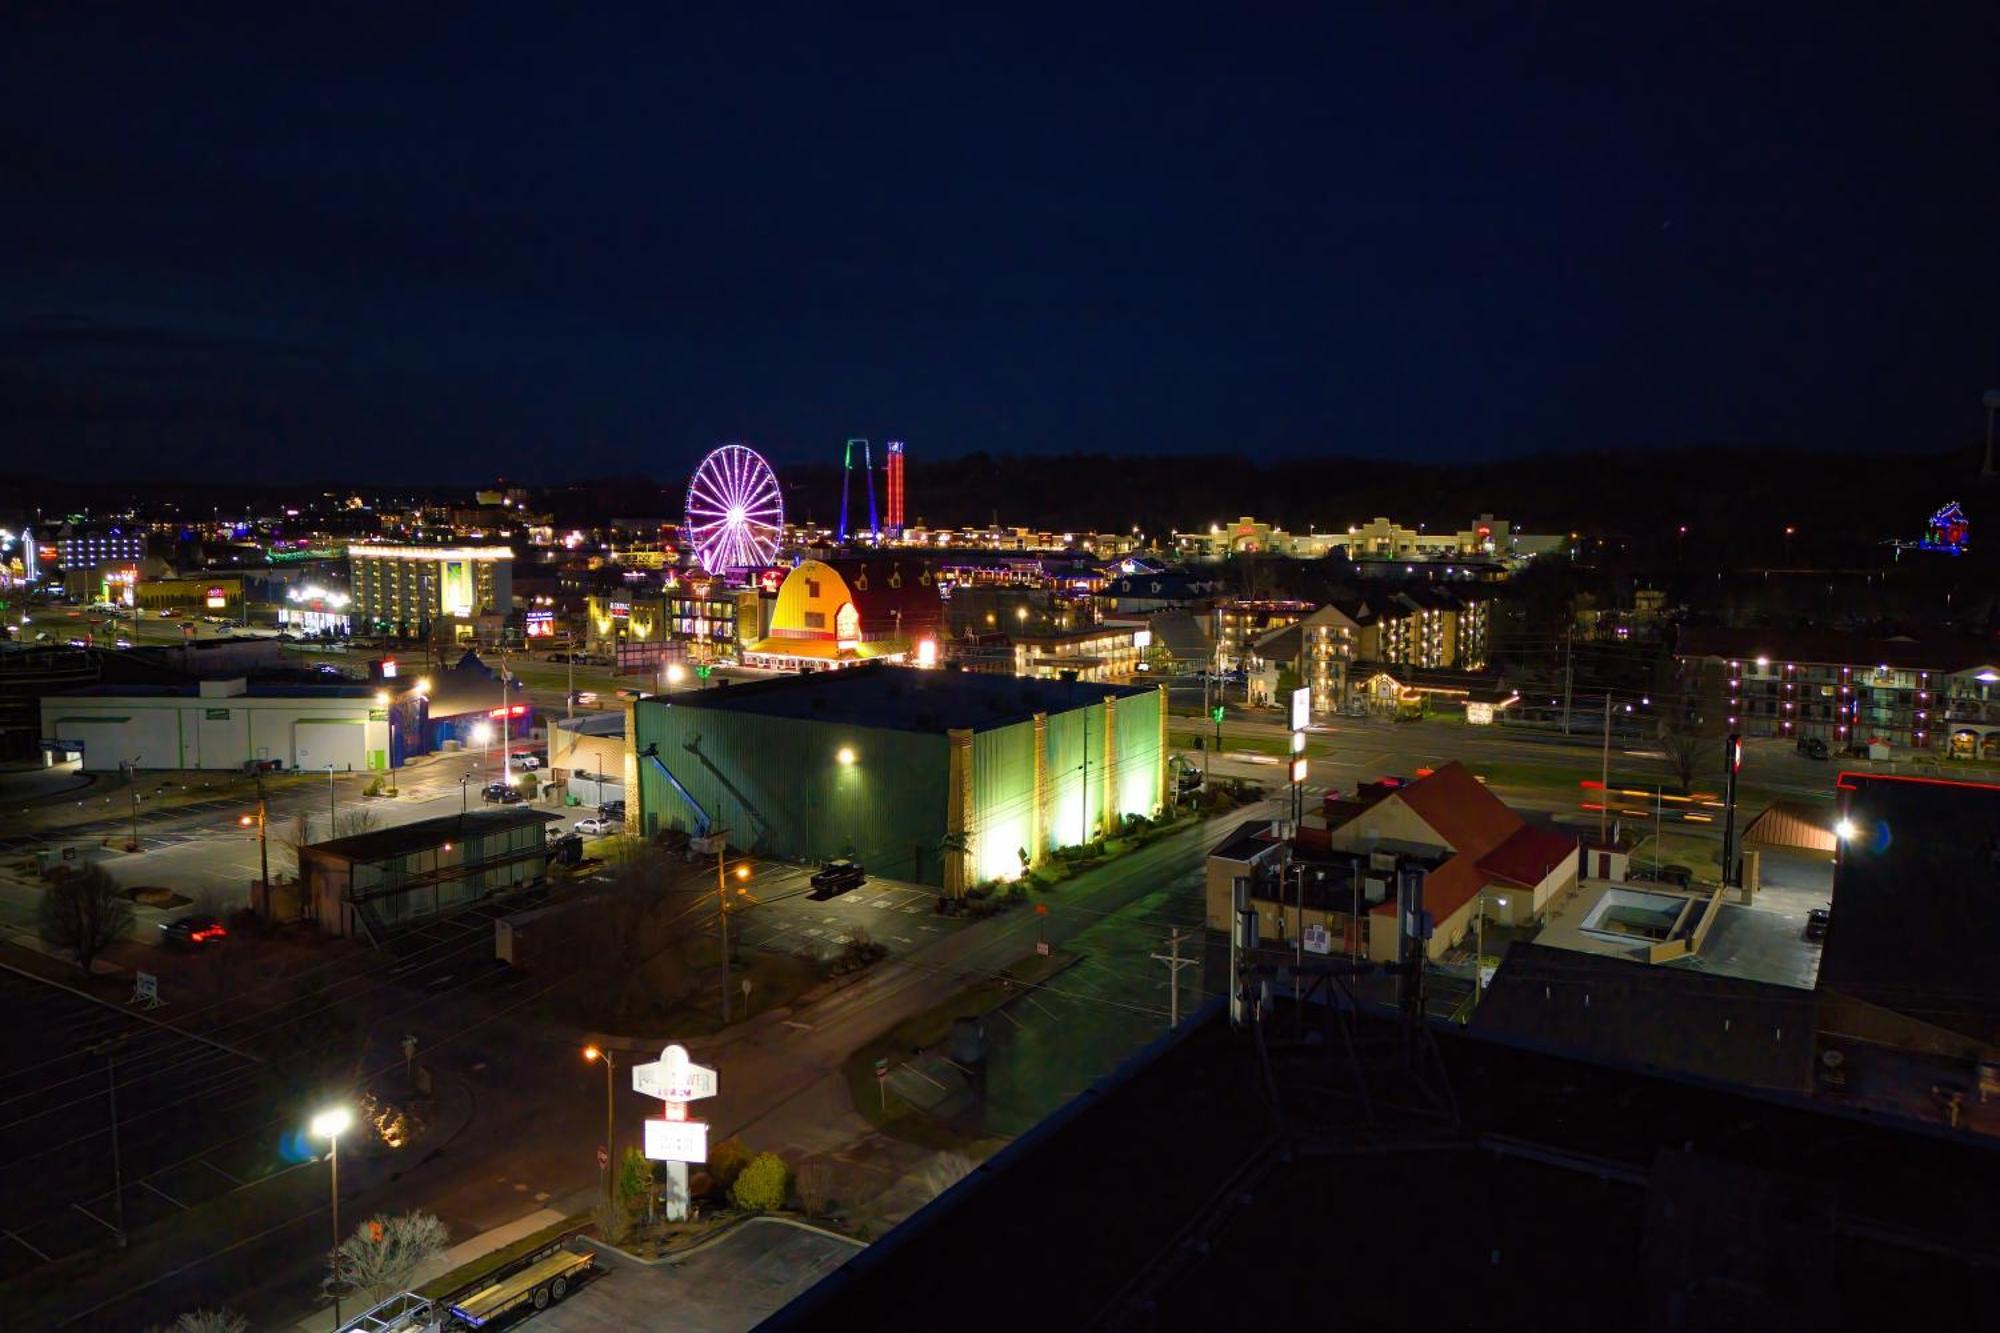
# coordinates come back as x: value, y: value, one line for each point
x: 381, y: 243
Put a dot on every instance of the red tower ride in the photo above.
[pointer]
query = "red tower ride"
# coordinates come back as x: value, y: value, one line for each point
x: 894, y: 467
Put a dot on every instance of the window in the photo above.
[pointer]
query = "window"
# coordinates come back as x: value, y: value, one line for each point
x: 815, y: 620
x: 812, y: 591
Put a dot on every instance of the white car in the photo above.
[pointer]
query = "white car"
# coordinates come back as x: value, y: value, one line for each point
x: 526, y: 763
x: 595, y: 827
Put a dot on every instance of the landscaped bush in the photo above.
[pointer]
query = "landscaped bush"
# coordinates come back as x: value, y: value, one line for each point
x: 726, y: 1162
x: 764, y: 1184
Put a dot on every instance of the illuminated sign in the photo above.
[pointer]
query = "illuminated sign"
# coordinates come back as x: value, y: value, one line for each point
x: 621, y: 610
x: 769, y: 580
x: 1142, y: 638
x: 388, y: 668
x: 312, y: 592
x: 541, y: 624
x: 847, y: 626
x: 677, y: 1140
x: 927, y: 652
x: 1301, y: 707
x: 217, y: 599
x: 516, y: 711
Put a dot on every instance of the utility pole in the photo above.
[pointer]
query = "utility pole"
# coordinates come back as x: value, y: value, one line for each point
x: 1604, y: 772
x: 1569, y: 672
x: 109, y: 1050
x: 263, y: 843
x: 1174, y: 963
x: 332, y: 816
x: 569, y: 695
x: 506, y: 701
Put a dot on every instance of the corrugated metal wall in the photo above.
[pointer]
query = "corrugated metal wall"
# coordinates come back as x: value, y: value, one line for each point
x: 887, y: 809
x: 1003, y: 797
x: 1138, y: 755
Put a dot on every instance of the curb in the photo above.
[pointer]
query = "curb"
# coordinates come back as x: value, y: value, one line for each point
x: 706, y: 1242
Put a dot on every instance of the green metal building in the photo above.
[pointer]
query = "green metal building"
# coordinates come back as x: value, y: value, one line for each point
x: 938, y: 777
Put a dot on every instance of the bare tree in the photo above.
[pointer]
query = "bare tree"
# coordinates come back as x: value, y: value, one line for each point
x: 82, y: 913
x: 224, y: 1320
x: 384, y: 1252
x: 1682, y: 742
x: 350, y: 822
x: 945, y: 1170
x: 638, y: 934
x: 293, y: 834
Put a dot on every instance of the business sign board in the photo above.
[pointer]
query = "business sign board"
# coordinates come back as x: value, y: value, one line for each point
x: 1302, y: 702
x: 677, y: 1140
x: 1317, y: 939
x: 674, y: 1078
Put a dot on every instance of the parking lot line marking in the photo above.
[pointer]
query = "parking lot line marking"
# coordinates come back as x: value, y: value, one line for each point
x: 95, y: 1218
x: 15, y: 1236
x: 146, y: 1184
x: 803, y: 1027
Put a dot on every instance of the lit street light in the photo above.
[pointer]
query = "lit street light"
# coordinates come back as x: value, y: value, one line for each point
x: 483, y: 733
x: 330, y: 1125
x: 610, y: 1069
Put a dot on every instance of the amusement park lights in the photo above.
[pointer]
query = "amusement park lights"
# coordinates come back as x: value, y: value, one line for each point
x: 735, y: 513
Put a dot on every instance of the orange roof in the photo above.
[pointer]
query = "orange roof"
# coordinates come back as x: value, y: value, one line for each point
x: 1527, y: 857
x: 1468, y: 818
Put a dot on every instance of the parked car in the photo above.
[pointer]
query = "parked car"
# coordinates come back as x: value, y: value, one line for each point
x: 1813, y: 747
x: 525, y: 763
x: 837, y: 877
x: 1816, y: 923
x: 613, y: 810
x: 595, y: 826
x: 501, y: 793
x: 193, y: 929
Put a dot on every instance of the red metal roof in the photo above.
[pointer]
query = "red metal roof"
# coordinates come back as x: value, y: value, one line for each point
x: 1528, y: 856
x: 1466, y: 817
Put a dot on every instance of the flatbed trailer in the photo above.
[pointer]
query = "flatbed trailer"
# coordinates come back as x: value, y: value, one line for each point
x: 540, y: 1284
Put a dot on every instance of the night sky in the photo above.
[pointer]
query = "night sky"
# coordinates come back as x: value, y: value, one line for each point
x: 390, y: 243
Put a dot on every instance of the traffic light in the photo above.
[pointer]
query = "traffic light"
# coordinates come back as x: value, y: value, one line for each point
x: 702, y: 672
x: 1736, y: 754
x: 1216, y: 712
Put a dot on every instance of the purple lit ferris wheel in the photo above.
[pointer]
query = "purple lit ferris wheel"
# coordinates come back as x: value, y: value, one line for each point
x: 735, y: 514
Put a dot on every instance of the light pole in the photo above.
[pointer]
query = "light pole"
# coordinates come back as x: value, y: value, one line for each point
x: 133, y: 846
x: 675, y: 674
x: 263, y: 844
x: 483, y: 733
x: 332, y: 817
x: 109, y: 1050
x: 610, y: 1110
x: 330, y: 1125
x: 464, y: 783
x: 722, y: 904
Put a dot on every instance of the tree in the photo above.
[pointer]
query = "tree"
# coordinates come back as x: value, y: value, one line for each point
x: 82, y: 913
x: 945, y: 1170
x: 293, y: 834
x: 351, y: 822
x: 529, y: 785
x: 726, y: 1161
x: 224, y: 1320
x: 1682, y: 742
x: 764, y: 1184
x: 640, y: 935
x: 635, y: 1180
x: 383, y: 1254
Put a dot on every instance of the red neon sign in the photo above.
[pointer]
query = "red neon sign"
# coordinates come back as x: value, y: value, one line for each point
x: 515, y: 711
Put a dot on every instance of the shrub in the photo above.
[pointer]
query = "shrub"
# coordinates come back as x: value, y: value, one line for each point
x: 763, y: 1185
x: 726, y: 1162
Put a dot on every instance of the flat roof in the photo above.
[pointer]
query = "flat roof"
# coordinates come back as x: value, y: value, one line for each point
x: 593, y: 724
x: 427, y: 833
x: 192, y: 690
x: 903, y: 698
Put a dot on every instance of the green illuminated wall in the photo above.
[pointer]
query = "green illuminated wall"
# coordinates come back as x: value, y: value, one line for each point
x: 887, y: 809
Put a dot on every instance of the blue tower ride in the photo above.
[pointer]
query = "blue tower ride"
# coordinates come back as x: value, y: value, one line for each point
x: 846, y: 484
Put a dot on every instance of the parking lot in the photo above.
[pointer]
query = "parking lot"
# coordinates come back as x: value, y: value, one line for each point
x: 787, y: 919
x: 734, y: 1284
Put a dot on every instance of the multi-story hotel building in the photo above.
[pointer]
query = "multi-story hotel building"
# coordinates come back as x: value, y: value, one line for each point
x: 412, y: 590
x: 1938, y: 694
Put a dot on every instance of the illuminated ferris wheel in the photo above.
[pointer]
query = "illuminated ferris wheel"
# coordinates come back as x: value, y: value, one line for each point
x: 735, y: 514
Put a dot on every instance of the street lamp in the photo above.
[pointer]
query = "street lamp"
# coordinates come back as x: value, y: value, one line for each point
x: 483, y: 733
x: 330, y: 1125
x: 591, y: 1053
x: 846, y: 756
x: 675, y: 673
